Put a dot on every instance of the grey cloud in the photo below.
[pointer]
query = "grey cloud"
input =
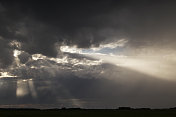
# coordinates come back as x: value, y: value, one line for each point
x: 80, y: 66
x: 24, y: 57
x: 41, y: 25
x: 6, y: 54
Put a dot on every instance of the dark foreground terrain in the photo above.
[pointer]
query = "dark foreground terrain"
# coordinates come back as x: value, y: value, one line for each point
x: 87, y: 113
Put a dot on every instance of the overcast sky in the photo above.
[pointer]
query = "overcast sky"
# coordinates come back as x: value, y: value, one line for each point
x: 87, y: 53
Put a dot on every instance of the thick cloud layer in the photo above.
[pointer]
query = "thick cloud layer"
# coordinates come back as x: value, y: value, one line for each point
x: 38, y: 38
x: 6, y: 56
x: 39, y: 25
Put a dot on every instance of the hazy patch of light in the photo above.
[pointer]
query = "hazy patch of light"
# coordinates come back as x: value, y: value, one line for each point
x: 159, y: 66
x: 15, y: 44
x: 32, y: 88
x: 60, y: 60
x: 6, y: 75
x: 24, y: 87
x: 154, y: 66
x: 112, y: 45
x: 70, y: 49
x: 87, y: 62
x: 38, y: 56
x: 16, y: 53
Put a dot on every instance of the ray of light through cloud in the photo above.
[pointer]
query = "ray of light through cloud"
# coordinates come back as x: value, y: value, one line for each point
x: 159, y: 66
x: 76, y: 56
x: 25, y: 87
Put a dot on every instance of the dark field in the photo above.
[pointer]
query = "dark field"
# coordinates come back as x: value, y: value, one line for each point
x: 87, y: 113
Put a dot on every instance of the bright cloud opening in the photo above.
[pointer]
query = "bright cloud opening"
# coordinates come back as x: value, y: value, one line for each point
x: 157, y: 66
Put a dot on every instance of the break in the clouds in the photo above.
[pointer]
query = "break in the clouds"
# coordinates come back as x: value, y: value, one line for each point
x: 90, y: 54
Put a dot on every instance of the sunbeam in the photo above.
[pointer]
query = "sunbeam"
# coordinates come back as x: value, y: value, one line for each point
x: 154, y: 66
x: 157, y: 66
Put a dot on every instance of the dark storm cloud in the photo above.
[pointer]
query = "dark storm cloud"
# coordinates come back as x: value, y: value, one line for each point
x: 40, y: 24
x: 40, y: 27
x: 6, y: 54
x: 88, y: 22
x: 24, y: 57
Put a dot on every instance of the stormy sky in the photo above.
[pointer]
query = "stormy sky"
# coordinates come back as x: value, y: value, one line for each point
x: 87, y: 53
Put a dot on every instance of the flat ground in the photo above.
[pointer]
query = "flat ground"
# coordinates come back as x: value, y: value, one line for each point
x: 87, y: 113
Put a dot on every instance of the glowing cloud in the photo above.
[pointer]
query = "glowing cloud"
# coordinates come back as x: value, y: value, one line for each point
x: 158, y: 65
x: 6, y: 75
x: 112, y: 45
